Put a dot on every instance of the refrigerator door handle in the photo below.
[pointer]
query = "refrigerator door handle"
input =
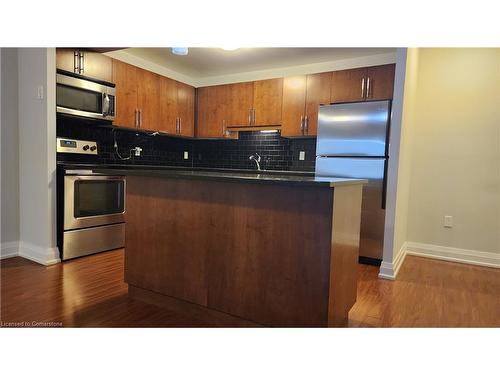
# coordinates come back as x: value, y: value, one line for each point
x: 384, y: 185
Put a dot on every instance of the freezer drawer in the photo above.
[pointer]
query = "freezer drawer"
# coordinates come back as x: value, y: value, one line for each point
x: 353, y: 129
x: 373, y: 212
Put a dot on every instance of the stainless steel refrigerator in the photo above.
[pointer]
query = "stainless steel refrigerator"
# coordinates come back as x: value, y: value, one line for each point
x: 353, y: 140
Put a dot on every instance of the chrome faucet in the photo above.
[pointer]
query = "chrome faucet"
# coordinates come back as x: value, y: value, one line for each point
x: 256, y: 158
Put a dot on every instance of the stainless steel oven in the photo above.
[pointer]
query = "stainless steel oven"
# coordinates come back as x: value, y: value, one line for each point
x: 85, y: 97
x: 93, y: 213
x: 93, y: 200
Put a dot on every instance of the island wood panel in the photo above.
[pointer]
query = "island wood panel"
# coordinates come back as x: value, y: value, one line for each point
x: 257, y: 251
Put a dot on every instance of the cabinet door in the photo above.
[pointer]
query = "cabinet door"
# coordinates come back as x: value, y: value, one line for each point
x: 348, y: 85
x: 267, y: 101
x: 97, y: 65
x: 65, y: 59
x: 211, y: 111
x: 125, y: 79
x: 240, y: 104
x: 168, y: 105
x: 380, y: 82
x: 92, y: 64
x: 293, y: 108
x: 317, y: 93
x: 148, y: 94
x: 185, y: 109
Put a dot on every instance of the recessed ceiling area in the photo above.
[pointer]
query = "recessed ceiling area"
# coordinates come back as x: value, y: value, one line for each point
x: 203, y: 62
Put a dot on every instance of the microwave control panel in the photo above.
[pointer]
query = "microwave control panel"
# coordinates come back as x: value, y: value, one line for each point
x: 76, y: 146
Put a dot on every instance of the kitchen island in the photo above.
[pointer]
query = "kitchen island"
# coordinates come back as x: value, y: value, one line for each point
x: 274, y: 249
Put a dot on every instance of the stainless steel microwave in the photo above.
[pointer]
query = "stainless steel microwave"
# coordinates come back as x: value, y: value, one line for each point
x: 84, y: 97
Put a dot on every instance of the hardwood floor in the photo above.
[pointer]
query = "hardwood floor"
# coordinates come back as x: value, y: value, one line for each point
x: 90, y: 292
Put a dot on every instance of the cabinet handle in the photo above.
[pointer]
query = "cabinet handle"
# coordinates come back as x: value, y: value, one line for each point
x: 254, y: 116
x: 368, y: 87
x: 180, y: 125
x: 250, y: 116
x: 176, y: 125
x: 302, y: 124
x: 136, y: 119
x: 82, y: 60
x: 224, y: 128
x: 363, y: 88
x: 140, y: 118
x: 76, y: 62
x: 306, y: 124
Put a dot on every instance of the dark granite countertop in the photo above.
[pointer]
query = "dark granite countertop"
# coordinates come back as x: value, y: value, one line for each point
x: 268, y: 176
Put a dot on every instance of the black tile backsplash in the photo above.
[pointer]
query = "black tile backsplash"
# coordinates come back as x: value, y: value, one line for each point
x: 277, y: 153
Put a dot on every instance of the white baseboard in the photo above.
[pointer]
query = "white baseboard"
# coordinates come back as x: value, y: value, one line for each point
x: 9, y: 249
x: 454, y: 254
x: 389, y: 270
x: 45, y: 256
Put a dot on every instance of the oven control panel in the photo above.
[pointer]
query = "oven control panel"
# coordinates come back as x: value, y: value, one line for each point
x: 76, y: 146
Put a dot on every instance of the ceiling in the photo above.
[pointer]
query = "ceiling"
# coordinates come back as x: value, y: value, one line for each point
x: 206, y: 62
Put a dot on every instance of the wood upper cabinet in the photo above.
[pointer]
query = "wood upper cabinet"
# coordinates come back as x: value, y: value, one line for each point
x: 380, y: 82
x: 267, y: 101
x: 372, y: 83
x: 302, y: 96
x: 185, y: 109
x: 176, y: 107
x: 168, y: 106
x: 294, y: 105
x: 148, y: 99
x: 86, y: 63
x: 212, y: 111
x: 125, y: 79
x: 318, y: 92
x: 240, y: 104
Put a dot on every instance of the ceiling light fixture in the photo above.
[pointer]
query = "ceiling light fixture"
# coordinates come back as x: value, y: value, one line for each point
x: 230, y: 48
x: 181, y: 51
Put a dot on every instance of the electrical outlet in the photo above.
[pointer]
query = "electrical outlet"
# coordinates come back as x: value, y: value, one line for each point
x: 302, y: 155
x: 448, y: 221
x: 137, y: 151
x: 186, y: 155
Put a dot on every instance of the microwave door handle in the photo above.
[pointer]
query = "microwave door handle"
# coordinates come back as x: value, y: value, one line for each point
x: 105, y: 104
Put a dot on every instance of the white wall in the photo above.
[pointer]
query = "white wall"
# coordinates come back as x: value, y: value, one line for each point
x: 9, y: 154
x: 37, y: 137
x: 456, y: 152
x: 449, y: 162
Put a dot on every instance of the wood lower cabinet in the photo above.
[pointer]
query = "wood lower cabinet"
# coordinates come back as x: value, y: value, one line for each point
x: 267, y: 102
x: 86, y: 63
x: 125, y: 79
x: 372, y: 83
x: 302, y: 96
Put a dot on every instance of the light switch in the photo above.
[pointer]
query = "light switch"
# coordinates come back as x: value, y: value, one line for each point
x: 302, y: 155
x: 39, y: 92
x: 186, y: 155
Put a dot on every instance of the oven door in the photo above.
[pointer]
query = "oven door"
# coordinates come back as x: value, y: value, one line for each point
x: 79, y: 97
x: 91, y: 201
